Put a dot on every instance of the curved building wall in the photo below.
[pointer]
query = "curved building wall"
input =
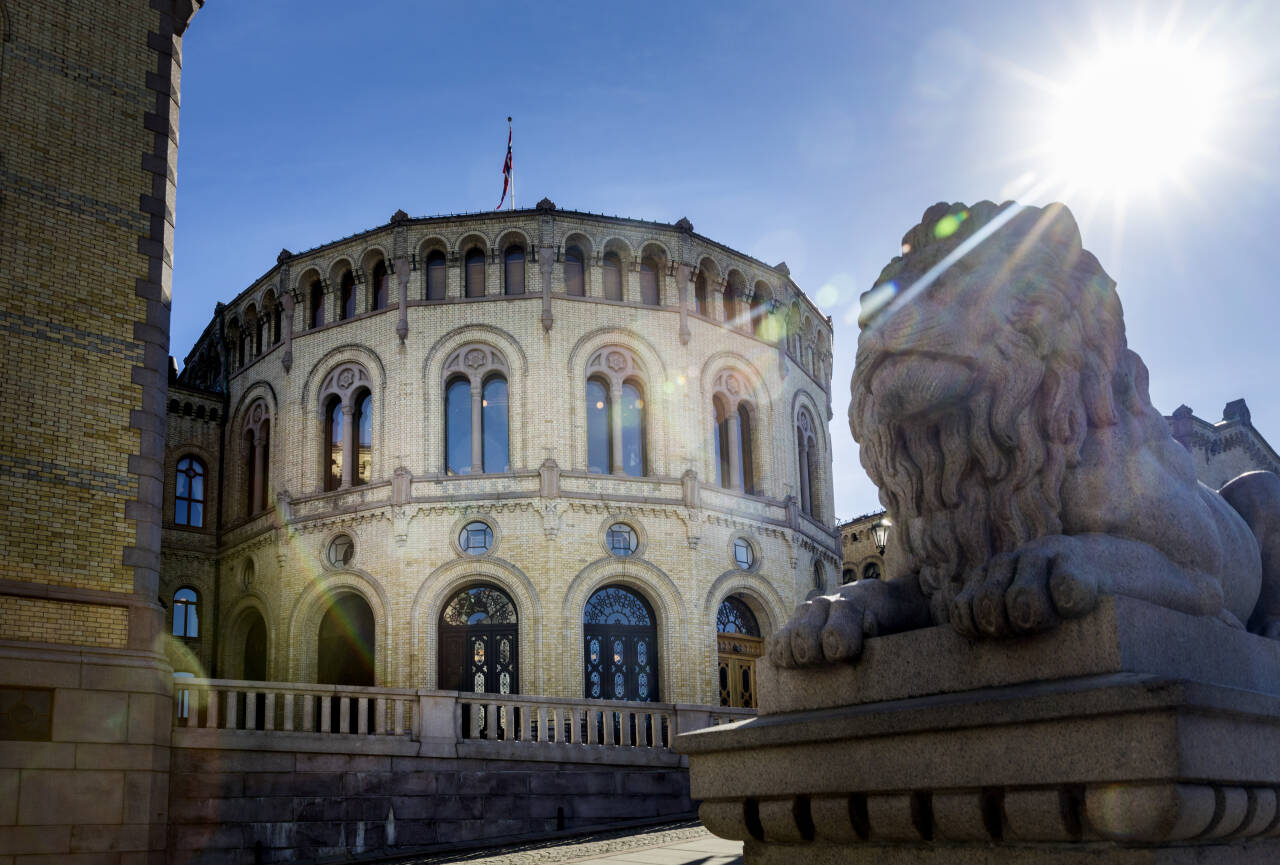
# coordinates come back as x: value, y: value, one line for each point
x: 751, y: 372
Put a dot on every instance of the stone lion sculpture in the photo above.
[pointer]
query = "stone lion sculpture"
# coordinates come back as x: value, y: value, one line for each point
x: 1024, y: 469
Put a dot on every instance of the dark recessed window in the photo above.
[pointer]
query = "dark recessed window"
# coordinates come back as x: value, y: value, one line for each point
x: 475, y: 273
x: 621, y: 539
x: 513, y: 270
x: 341, y: 551
x: 475, y: 538
x: 379, y: 290
x: 186, y: 614
x: 188, y: 505
x: 599, y: 441
x: 649, y: 293
x: 347, y: 295
x: 743, y: 554
x: 871, y: 571
x: 819, y: 578
x: 574, y: 280
x: 612, y: 276
x: 435, y: 275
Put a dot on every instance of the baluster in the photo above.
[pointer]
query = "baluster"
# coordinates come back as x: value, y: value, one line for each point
x: 593, y: 731
x: 308, y: 712
x: 476, y: 712
x: 630, y: 724
x: 211, y: 718
x: 270, y: 710
x: 493, y: 722
x: 607, y: 718
x: 250, y: 710
x: 538, y: 717
x: 397, y: 716
x: 362, y: 716
x: 231, y: 709
x: 411, y: 717
x: 324, y: 713
x: 344, y: 714
x: 288, y: 712
x: 380, y: 716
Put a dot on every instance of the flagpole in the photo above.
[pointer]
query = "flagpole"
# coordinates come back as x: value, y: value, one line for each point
x: 513, y: 169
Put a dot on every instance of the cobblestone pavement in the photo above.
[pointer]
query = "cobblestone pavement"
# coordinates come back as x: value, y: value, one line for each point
x: 673, y: 844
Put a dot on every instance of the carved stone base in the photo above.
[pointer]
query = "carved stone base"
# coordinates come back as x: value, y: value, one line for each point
x: 1118, y: 759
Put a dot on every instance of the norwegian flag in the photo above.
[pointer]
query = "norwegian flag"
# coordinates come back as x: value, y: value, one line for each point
x: 506, y: 171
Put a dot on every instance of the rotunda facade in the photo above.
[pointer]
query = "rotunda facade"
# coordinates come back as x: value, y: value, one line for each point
x: 537, y: 451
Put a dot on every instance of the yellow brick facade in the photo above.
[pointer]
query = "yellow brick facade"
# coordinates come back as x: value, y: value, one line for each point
x: 39, y: 620
x: 549, y: 552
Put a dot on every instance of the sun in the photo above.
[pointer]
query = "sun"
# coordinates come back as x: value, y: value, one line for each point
x: 1134, y: 116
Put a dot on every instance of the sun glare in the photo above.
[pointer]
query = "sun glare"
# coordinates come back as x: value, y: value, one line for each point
x: 1134, y: 117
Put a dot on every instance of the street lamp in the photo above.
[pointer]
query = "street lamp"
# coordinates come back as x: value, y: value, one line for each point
x: 880, y: 533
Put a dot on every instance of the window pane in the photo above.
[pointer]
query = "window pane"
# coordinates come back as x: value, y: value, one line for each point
x: 183, y: 489
x: 649, y: 283
x: 435, y: 276
x: 493, y: 414
x: 632, y: 431
x: 458, y: 427
x: 599, y: 446
x: 334, y: 479
x: 364, y: 441
x: 197, y: 488
x: 612, y: 277
x: 193, y: 621
x: 379, y: 299
x: 475, y: 273
x: 197, y: 515
x: 744, y: 449
x: 700, y: 295
x: 574, y: 283
x: 180, y: 512
x: 515, y: 270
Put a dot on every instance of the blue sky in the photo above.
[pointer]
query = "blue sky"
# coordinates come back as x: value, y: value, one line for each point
x: 815, y: 133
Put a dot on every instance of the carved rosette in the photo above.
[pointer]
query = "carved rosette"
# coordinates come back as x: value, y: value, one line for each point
x: 475, y: 361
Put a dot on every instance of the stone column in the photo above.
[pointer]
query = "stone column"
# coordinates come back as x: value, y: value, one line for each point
x: 615, y: 425
x: 289, y: 310
x: 735, y: 450
x: 402, y: 273
x: 546, y: 258
x: 477, y: 433
x: 715, y: 299
x: 348, y: 443
x: 684, y: 290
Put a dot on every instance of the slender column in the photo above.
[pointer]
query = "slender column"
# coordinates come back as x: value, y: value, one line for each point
x: 615, y: 424
x: 715, y: 300
x: 348, y: 443
x: 735, y: 450
x: 806, y: 504
x: 684, y: 288
x: 477, y: 434
x: 289, y: 306
x: 402, y: 274
x: 546, y: 258
x: 259, y: 457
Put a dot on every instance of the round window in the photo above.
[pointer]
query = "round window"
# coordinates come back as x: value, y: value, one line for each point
x: 621, y: 539
x: 341, y: 551
x: 743, y: 554
x: 476, y: 538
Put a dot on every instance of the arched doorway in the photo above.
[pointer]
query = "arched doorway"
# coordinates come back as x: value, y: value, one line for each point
x: 345, y: 649
x: 479, y: 643
x: 254, y: 667
x: 739, y: 644
x: 620, y: 646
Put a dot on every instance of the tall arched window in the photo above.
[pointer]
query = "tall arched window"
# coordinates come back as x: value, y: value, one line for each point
x: 731, y: 296
x: 649, y: 293
x: 599, y: 441
x: 612, y: 276
x: 477, y: 408
x: 435, y: 275
x: 188, y: 499
x: 734, y: 419
x: 257, y: 457
x: 277, y: 322
x: 700, y: 294
x: 575, y: 284
x: 186, y: 613
x: 347, y: 446
x: 379, y: 286
x: 345, y: 644
x: 347, y: 296
x: 620, y: 651
x: 738, y: 644
x: 513, y: 270
x: 616, y: 413
x: 807, y: 458
x: 317, y: 304
x: 475, y: 273
x: 333, y: 443
x: 478, y: 648
x: 259, y: 332
x: 363, y: 423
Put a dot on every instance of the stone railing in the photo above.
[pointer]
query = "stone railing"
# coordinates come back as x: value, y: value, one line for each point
x: 338, y: 718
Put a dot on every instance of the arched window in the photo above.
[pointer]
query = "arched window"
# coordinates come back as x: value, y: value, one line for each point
x: 347, y: 296
x: 346, y: 644
x: 621, y: 646
x: 819, y: 577
x: 259, y: 333
x: 612, y: 275
x: 347, y: 446
x: 731, y: 296
x: 871, y: 571
x: 475, y: 273
x: 700, y: 294
x: 257, y: 457
x: 734, y: 418
x: 761, y: 302
x: 599, y: 441
x: 363, y: 423
x: 435, y: 275
x: 478, y: 648
x: 379, y: 287
x: 277, y: 322
x: 575, y: 284
x: 333, y: 436
x: 477, y: 408
x: 616, y: 414
x: 649, y: 293
x: 250, y: 474
x: 317, y: 304
x: 255, y: 651
x: 807, y: 457
x: 188, y: 499
x: 186, y: 614
x: 738, y: 643
x: 513, y: 270
x: 493, y: 424
x: 848, y: 575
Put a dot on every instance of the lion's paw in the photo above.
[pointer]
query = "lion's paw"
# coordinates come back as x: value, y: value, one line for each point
x: 1028, y: 591
x: 824, y: 630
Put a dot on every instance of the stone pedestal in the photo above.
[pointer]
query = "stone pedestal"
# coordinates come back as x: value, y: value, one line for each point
x: 1135, y: 735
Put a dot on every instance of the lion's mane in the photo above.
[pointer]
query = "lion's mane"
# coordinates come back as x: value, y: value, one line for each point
x: 984, y: 476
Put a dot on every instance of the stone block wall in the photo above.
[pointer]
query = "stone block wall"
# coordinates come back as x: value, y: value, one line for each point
x: 299, y: 805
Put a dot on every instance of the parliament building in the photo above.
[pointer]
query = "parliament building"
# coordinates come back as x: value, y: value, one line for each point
x: 537, y: 451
